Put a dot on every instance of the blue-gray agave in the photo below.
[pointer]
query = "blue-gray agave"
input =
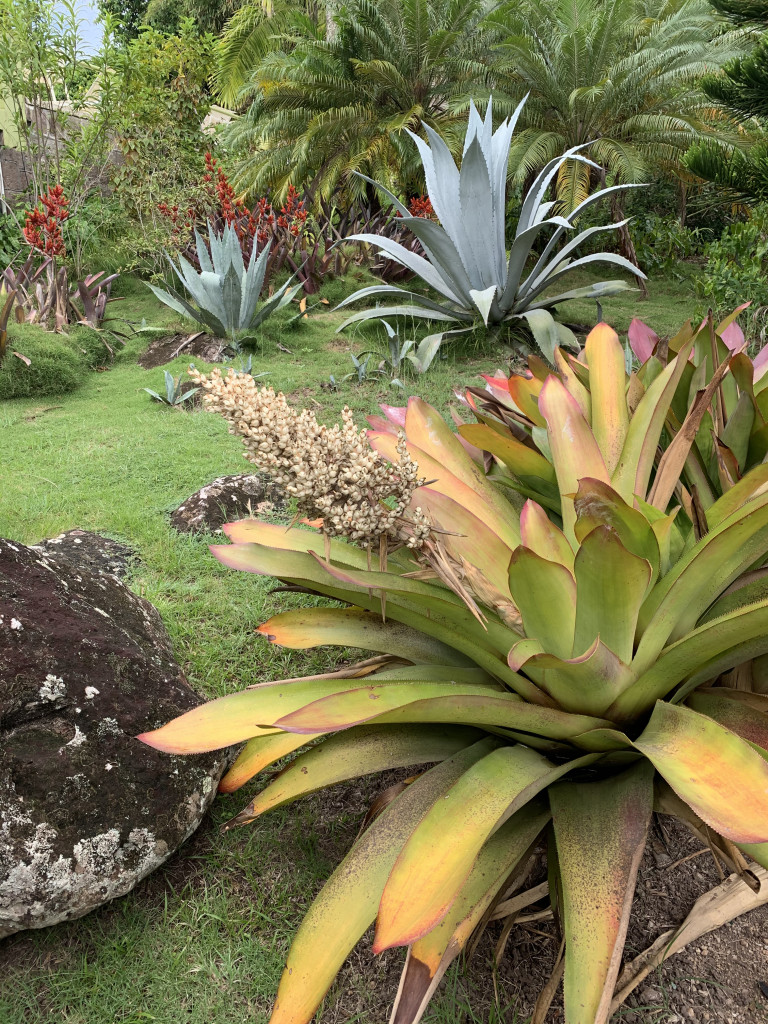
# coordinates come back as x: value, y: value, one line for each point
x: 225, y: 290
x: 467, y: 262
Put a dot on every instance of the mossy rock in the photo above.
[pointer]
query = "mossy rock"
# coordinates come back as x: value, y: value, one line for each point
x: 57, y: 365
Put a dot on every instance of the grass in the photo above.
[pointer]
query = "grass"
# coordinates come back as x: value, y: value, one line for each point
x: 203, y: 940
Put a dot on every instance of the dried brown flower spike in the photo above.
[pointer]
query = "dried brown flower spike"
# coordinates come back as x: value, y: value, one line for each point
x: 333, y: 472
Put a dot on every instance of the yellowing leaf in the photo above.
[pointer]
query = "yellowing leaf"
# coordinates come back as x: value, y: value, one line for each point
x: 712, y: 769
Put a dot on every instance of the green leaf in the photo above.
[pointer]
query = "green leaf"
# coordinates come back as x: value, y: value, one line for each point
x: 429, y: 872
x: 545, y: 593
x: 347, y: 903
x: 416, y: 701
x: 349, y: 627
x: 611, y: 584
x: 727, y: 786
x: 353, y: 754
x: 430, y: 956
x: 600, y: 830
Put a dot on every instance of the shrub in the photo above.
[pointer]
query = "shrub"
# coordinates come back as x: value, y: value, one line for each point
x: 566, y: 666
x: 737, y: 265
x: 56, y: 366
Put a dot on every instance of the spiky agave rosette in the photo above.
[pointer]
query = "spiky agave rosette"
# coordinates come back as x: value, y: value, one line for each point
x: 562, y: 664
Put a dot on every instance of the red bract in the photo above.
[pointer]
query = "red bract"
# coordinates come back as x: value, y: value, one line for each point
x: 42, y: 226
x: 421, y: 206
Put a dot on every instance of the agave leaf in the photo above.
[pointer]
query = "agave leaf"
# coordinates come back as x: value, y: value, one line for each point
x: 485, y: 796
x: 584, y: 261
x: 423, y: 311
x: 611, y: 584
x: 728, y: 788
x: 281, y: 298
x: 413, y: 704
x: 430, y: 956
x: 541, y: 270
x: 484, y: 301
x: 545, y: 593
x: 417, y: 297
x: 476, y: 201
x: 349, y: 627
x: 544, y: 330
x: 415, y: 263
x: 259, y: 753
x: 352, y: 755
x: 518, y: 257
x: 542, y: 181
x: 600, y: 830
x: 347, y: 904
x: 175, y: 302
x: 599, y: 290
x: 203, y: 256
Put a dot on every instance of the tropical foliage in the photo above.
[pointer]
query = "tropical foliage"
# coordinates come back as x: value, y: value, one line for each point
x: 618, y: 75
x: 322, y: 107
x: 741, y: 90
x: 226, y: 289
x: 567, y: 662
x: 466, y: 259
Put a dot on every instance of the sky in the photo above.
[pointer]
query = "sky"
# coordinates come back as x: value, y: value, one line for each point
x: 90, y: 30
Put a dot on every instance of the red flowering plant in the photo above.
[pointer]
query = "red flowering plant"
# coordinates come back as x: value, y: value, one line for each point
x: 259, y: 226
x: 41, y: 287
x: 42, y: 227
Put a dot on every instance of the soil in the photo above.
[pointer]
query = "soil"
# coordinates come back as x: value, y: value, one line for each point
x: 716, y: 979
x: 163, y: 350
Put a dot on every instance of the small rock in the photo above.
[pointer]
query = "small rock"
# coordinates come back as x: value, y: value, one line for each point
x: 225, y: 500
x: 91, y: 551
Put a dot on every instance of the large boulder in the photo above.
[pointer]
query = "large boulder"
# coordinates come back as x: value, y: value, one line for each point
x: 86, y: 810
x: 225, y: 500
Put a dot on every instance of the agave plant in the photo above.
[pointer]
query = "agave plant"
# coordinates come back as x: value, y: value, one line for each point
x: 563, y: 664
x: 175, y: 396
x: 466, y: 258
x: 225, y: 290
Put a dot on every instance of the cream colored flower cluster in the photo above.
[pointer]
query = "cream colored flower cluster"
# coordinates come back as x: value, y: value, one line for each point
x: 333, y: 472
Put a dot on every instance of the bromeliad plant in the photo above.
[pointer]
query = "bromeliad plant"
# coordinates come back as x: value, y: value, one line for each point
x: 563, y: 664
x: 225, y: 289
x: 467, y: 262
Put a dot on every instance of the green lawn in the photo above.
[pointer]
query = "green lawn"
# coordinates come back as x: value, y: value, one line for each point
x: 203, y: 940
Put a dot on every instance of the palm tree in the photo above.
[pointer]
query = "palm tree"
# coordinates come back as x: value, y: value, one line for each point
x: 324, y: 105
x: 622, y: 75
x: 741, y: 91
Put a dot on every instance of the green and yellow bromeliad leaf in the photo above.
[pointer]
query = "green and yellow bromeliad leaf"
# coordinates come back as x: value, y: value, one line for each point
x: 557, y: 660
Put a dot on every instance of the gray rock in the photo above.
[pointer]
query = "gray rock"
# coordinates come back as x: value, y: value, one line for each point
x: 86, y: 810
x: 225, y: 500
x: 91, y: 551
